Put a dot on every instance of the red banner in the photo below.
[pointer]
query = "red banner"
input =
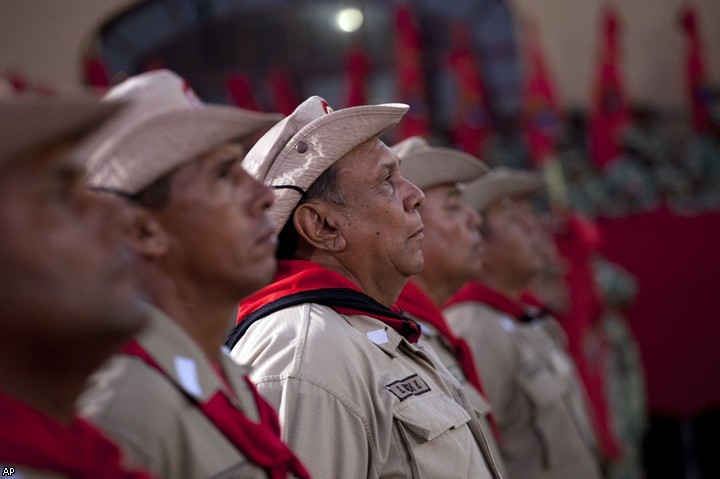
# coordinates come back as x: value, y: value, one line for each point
x: 577, y: 244
x: 409, y: 72
x: 283, y: 90
x: 96, y: 73
x: 471, y: 120
x: 676, y: 261
x: 541, y: 115
x: 240, y: 90
x: 696, y: 78
x: 357, y: 67
x: 609, y: 111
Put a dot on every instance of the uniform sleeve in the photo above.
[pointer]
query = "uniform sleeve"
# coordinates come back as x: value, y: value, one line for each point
x: 116, y: 413
x: 136, y: 452
x: 329, y: 437
x: 492, y: 349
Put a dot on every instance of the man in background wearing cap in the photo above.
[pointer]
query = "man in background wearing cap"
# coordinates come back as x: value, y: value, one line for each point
x: 451, y: 252
x: 68, y: 301
x: 174, y: 400
x: 518, y: 348
x: 357, y: 397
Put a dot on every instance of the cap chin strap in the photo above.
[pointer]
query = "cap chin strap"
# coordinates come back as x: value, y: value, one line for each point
x: 289, y: 187
x: 113, y: 191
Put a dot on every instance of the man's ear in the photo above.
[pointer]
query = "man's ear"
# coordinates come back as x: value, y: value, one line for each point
x: 317, y: 223
x: 144, y: 234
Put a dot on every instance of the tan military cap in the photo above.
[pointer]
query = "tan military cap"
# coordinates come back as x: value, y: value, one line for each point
x: 500, y: 182
x: 425, y: 165
x: 164, y: 126
x: 296, y: 151
x: 28, y: 123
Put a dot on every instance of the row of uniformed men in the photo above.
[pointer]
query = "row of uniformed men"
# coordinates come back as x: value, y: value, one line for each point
x: 327, y: 352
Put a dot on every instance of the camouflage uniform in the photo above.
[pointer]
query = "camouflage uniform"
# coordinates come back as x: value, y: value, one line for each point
x: 624, y: 370
x: 702, y: 163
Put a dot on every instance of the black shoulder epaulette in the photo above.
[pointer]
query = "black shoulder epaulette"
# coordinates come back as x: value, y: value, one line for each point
x: 342, y: 297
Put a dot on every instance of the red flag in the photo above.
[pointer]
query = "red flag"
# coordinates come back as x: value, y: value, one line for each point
x: 240, y: 90
x: 541, y: 115
x: 96, y: 73
x: 609, y: 112
x: 577, y: 243
x: 696, y: 72
x: 409, y: 72
x: 283, y: 90
x: 17, y: 81
x: 471, y: 123
x: 357, y: 67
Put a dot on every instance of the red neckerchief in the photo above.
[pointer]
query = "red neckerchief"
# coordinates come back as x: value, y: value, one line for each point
x: 481, y: 293
x: 417, y: 303
x: 294, y: 276
x: 259, y: 442
x: 32, y: 439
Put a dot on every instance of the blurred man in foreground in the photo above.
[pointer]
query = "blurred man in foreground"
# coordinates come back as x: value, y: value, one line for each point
x: 67, y: 297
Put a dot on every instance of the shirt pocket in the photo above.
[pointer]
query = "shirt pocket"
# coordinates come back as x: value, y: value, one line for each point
x: 423, y: 426
x: 550, y: 416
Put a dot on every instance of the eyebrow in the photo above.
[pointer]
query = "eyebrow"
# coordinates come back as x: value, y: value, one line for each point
x: 390, y: 166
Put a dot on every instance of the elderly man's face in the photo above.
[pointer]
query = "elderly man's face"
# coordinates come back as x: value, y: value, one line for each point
x: 453, y: 245
x: 220, y: 233
x: 62, y: 268
x: 382, y: 225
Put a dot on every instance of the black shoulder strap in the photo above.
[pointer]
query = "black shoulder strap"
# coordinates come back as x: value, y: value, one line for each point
x: 534, y: 314
x: 343, y: 297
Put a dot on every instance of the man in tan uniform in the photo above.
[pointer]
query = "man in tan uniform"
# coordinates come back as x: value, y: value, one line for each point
x: 519, y: 349
x: 451, y: 252
x: 67, y: 297
x: 357, y: 395
x: 174, y: 400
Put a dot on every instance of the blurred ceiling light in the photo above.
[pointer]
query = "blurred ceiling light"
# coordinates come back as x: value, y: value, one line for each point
x: 349, y: 19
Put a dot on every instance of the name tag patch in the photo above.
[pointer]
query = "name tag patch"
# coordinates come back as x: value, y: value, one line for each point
x: 410, y: 386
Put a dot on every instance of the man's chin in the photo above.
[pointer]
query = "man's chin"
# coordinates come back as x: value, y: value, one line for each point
x: 414, y: 266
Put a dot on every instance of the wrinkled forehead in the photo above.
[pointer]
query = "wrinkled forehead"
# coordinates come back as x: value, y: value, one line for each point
x: 502, y: 206
x: 514, y: 210
x: 368, y: 150
x: 441, y: 195
x: 523, y: 201
x: 225, y: 151
x: 203, y: 163
x: 368, y: 158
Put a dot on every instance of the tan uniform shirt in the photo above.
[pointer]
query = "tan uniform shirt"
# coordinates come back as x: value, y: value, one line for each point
x: 357, y: 400
x: 154, y: 423
x: 535, y: 392
x: 445, y: 353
